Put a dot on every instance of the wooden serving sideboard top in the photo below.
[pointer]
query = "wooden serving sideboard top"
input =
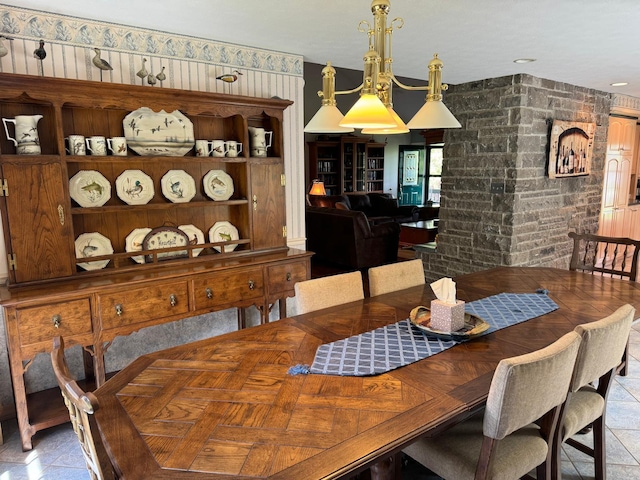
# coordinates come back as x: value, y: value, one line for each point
x: 49, y: 293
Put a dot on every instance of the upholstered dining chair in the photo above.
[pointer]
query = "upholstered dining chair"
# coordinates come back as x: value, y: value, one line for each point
x: 601, y: 350
x: 504, y: 443
x: 328, y: 291
x: 81, y: 407
x: 613, y: 256
x: 395, y: 276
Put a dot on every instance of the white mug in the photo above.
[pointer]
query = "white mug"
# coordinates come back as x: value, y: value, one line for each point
x: 203, y: 148
x: 218, y: 148
x: 233, y: 148
x: 97, y: 145
x: 76, y: 145
x: 118, y: 146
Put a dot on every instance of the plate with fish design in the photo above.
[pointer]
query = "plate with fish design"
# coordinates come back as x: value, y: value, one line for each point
x: 133, y: 242
x: 178, y: 186
x: 93, y: 244
x: 223, y: 232
x: 134, y: 187
x: 218, y: 185
x: 89, y: 188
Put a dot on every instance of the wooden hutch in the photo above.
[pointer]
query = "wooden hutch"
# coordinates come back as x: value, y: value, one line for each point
x: 49, y: 293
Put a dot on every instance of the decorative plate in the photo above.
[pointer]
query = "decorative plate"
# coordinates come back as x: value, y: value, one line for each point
x: 134, y: 187
x: 165, y: 237
x: 195, y: 235
x: 89, y: 188
x: 218, y: 185
x: 133, y: 242
x: 223, y: 232
x: 93, y: 245
x: 178, y: 186
x: 150, y: 133
x: 473, y: 325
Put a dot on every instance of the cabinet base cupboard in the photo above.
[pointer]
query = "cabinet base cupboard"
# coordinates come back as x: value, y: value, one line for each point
x: 101, y: 246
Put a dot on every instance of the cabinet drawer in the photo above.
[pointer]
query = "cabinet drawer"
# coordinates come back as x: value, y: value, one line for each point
x: 229, y: 287
x: 38, y: 324
x: 281, y: 278
x: 140, y: 305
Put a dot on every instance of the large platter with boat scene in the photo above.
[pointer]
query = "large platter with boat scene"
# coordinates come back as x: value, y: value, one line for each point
x: 89, y: 188
x: 473, y: 325
x: 93, y: 244
x: 160, y: 133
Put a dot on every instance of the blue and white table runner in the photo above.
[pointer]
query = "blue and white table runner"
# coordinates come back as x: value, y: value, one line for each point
x: 401, y: 343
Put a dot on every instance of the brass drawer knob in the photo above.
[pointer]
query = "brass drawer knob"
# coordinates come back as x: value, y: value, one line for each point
x: 288, y: 276
x: 252, y: 284
x: 209, y: 292
x: 119, y: 309
x: 56, y: 320
x: 173, y: 300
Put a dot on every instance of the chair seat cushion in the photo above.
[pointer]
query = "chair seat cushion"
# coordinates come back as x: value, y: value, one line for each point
x: 583, y: 408
x: 455, y: 453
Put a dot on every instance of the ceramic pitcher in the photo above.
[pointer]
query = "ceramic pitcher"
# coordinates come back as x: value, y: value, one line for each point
x: 26, y: 141
x: 259, y: 142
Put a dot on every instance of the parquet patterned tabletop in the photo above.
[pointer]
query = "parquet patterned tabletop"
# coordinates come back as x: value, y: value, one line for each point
x: 226, y: 407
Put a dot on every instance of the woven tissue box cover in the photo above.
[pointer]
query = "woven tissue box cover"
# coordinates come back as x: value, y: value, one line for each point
x: 446, y: 317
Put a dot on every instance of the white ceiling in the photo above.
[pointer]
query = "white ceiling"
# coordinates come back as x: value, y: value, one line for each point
x: 590, y: 43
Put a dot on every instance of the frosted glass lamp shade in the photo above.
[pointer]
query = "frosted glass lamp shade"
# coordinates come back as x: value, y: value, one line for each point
x: 368, y: 112
x: 399, y: 128
x: 433, y: 114
x: 326, y: 120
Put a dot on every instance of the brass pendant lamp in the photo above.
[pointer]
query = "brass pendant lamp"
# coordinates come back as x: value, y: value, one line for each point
x: 373, y: 112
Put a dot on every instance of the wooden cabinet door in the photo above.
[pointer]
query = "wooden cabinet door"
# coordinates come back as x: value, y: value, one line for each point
x: 617, y: 176
x: 621, y: 135
x: 268, y: 203
x: 39, y: 225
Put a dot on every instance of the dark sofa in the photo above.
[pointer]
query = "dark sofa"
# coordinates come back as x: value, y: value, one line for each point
x: 346, y: 237
x: 378, y: 207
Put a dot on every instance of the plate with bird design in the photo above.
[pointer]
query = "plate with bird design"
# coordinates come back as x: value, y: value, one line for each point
x: 196, y: 237
x: 150, y: 133
x: 89, y: 188
x: 134, y: 187
x: 218, y: 185
x: 223, y: 232
x: 178, y: 186
x: 93, y: 244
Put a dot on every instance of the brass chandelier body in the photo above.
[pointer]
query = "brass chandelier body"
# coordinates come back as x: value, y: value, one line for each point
x: 373, y: 112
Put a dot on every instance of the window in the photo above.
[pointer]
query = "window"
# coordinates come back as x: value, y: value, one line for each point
x: 434, y: 172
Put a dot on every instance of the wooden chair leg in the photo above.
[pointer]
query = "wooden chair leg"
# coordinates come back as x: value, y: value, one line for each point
x: 599, y: 449
x: 625, y: 362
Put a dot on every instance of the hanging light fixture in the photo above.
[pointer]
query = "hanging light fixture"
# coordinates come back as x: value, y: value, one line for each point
x: 373, y: 112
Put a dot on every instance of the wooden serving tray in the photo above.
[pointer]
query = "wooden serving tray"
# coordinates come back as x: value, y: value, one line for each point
x: 420, y: 316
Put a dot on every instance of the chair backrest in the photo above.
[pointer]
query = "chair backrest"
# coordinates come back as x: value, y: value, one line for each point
x: 329, y: 291
x: 525, y: 388
x: 395, y: 276
x: 605, y: 255
x: 82, y: 405
x: 602, y: 347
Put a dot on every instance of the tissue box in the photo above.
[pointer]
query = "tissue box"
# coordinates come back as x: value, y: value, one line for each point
x: 446, y: 317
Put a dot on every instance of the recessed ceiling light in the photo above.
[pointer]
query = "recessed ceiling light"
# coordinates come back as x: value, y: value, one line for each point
x: 524, y: 60
x: 619, y: 84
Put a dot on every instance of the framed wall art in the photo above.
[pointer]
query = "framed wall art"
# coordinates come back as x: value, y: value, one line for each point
x: 570, y: 148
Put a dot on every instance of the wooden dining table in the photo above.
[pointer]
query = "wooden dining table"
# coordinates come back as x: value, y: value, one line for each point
x: 227, y: 407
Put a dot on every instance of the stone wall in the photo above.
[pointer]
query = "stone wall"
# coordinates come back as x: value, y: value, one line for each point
x: 503, y: 143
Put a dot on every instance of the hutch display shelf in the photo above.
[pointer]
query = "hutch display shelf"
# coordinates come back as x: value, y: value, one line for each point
x: 60, y: 286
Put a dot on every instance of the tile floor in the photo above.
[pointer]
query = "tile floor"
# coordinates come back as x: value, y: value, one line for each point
x: 57, y: 456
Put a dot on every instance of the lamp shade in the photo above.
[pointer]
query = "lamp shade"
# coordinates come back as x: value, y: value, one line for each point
x: 399, y: 128
x: 368, y: 112
x: 326, y: 120
x: 317, y: 188
x: 433, y: 114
